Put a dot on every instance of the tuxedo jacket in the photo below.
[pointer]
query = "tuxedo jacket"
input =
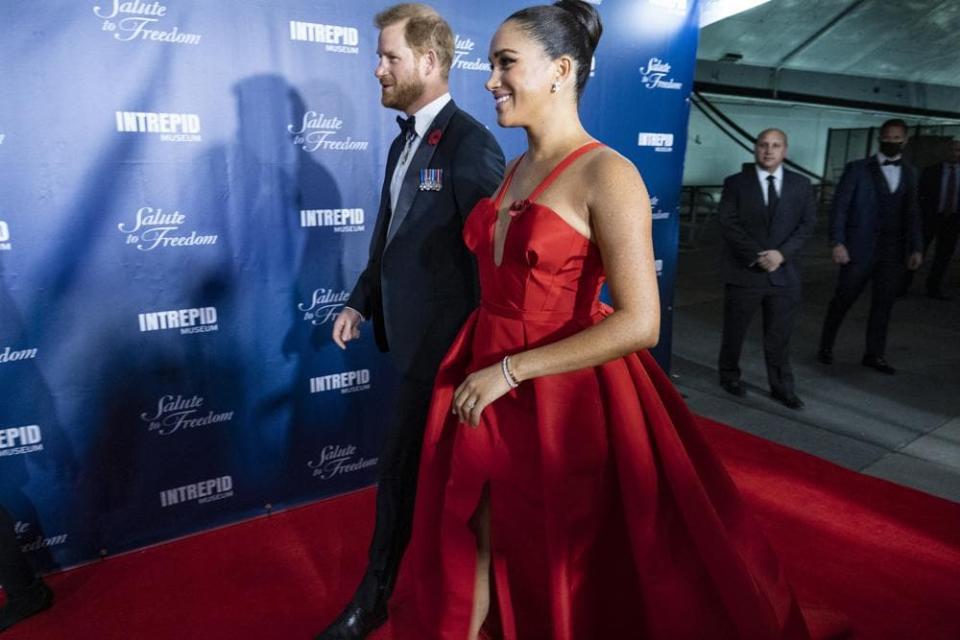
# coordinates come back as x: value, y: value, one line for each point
x: 420, y: 282
x: 855, y: 210
x: 748, y: 228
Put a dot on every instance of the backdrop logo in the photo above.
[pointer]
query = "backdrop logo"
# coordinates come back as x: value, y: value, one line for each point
x: 199, y: 492
x: 340, y: 220
x: 8, y: 355
x: 345, y: 382
x: 4, y: 236
x: 338, y: 460
x: 154, y: 229
x: 3, y: 137
x: 15, y: 441
x: 321, y: 132
x: 654, y: 75
x: 677, y: 6
x: 335, y: 39
x: 176, y: 413
x: 658, y: 213
x: 201, y: 320
x: 34, y: 542
x: 137, y: 21
x: 323, y: 306
x: 172, y: 127
x: 464, y: 56
x: 659, y: 141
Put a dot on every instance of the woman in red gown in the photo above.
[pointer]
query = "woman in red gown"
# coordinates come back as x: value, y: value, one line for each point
x: 565, y: 491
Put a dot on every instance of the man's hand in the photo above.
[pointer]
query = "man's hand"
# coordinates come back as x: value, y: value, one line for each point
x: 914, y: 261
x: 770, y: 260
x: 840, y: 255
x: 346, y: 327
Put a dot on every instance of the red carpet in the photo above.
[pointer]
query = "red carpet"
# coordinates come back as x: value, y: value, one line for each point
x: 885, y: 557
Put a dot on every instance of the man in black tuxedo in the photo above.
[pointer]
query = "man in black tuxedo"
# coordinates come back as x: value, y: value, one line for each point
x: 420, y: 282
x: 940, y: 205
x: 874, y: 233
x: 26, y: 592
x: 766, y: 215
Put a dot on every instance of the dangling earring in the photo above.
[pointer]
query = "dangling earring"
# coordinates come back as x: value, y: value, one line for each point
x: 555, y: 87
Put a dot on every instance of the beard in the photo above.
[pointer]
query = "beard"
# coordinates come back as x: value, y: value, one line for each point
x: 402, y: 94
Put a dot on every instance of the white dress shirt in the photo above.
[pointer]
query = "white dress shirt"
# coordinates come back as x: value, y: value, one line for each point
x: 890, y: 172
x: 777, y: 181
x: 423, y: 120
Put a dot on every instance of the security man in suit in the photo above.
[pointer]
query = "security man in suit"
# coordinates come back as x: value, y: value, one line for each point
x: 875, y: 233
x: 939, y: 194
x: 766, y: 215
x: 420, y: 283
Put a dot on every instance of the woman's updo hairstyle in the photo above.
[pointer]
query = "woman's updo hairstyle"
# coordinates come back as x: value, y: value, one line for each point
x: 567, y: 27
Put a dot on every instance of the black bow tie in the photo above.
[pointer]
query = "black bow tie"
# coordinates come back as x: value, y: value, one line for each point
x: 407, y: 125
x: 895, y: 163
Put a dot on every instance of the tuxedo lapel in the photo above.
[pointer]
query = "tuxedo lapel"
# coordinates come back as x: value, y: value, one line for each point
x: 421, y: 160
x: 876, y: 173
x: 383, y: 216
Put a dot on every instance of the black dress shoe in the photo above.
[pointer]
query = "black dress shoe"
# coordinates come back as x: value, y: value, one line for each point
x: 733, y: 387
x: 355, y: 623
x: 825, y: 356
x: 31, y: 601
x: 791, y: 401
x: 878, y: 363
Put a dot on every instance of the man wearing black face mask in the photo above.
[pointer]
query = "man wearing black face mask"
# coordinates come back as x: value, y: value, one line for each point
x: 874, y: 233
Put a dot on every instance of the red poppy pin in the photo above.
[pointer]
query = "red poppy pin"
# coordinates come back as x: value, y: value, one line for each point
x: 434, y: 137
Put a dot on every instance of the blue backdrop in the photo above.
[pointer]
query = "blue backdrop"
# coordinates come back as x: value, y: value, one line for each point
x: 186, y: 194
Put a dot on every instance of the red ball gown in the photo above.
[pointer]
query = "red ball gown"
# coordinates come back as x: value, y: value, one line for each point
x: 611, y: 517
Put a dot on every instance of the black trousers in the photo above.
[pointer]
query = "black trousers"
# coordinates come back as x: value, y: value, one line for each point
x: 946, y: 236
x: 780, y: 307
x: 885, y: 274
x: 15, y: 572
x: 398, y: 466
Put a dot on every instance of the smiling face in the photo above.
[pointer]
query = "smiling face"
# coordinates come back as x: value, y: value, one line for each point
x: 521, y: 77
x: 400, y: 71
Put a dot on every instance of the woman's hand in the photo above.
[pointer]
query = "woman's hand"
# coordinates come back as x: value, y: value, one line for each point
x: 477, y: 391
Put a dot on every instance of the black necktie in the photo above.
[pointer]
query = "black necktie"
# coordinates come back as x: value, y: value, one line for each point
x: 407, y: 126
x: 895, y: 163
x: 771, y: 195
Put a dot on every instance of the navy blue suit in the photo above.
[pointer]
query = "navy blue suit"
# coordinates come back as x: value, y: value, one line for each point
x: 880, y: 229
x: 418, y: 288
x: 748, y: 228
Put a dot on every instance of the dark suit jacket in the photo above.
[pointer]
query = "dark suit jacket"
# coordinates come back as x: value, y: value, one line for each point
x: 747, y: 229
x: 420, y: 282
x: 855, y: 210
x: 928, y: 190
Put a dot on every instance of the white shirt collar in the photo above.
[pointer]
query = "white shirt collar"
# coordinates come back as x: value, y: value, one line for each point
x: 763, y: 173
x: 428, y: 112
x: 881, y: 157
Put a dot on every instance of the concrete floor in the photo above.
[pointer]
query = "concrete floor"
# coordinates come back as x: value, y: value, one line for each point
x: 904, y: 428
